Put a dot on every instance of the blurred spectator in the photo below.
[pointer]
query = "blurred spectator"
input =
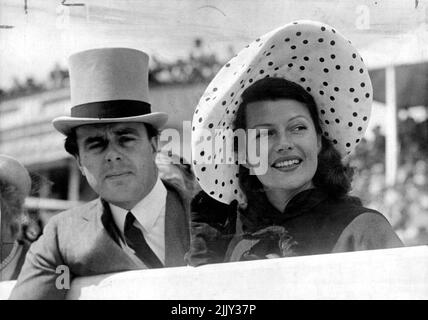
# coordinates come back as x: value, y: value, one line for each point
x: 18, y: 228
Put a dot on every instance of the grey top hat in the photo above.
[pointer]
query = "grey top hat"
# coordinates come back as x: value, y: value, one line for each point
x: 109, y: 85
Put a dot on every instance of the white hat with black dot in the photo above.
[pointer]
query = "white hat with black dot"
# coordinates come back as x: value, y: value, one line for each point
x: 311, y: 54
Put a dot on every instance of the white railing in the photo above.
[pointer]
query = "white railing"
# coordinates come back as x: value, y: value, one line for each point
x: 378, y: 274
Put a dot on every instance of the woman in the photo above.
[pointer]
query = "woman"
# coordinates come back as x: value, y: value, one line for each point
x: 303, y: 89
x: 18, y: 229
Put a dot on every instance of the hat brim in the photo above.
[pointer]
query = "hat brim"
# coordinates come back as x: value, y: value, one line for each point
x: 66, y: 124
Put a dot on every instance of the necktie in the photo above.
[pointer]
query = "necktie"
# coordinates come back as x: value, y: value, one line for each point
x: 135, y: 240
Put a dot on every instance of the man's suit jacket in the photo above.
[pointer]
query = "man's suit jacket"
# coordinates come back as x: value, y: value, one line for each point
x: 85, y: 240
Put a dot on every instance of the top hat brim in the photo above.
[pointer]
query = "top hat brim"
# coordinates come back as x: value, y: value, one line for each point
x: 65, y: 125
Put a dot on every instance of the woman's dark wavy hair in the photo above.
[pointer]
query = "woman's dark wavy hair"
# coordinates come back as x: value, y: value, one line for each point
x: 72, y: 148
x: 331, y: 175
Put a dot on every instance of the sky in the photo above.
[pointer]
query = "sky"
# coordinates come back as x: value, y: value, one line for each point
x: 37, y: 34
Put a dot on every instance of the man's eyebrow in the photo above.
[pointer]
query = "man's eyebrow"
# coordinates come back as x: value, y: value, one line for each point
x: 92, y: 139
x: 121, y: 131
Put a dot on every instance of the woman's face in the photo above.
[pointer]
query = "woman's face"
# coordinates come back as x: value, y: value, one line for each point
x: 293, y: 143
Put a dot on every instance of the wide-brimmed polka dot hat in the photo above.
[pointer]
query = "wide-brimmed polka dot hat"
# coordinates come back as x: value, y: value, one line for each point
x: 311, y: 54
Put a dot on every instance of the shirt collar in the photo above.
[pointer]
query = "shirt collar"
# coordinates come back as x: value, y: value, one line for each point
x: 146, y: 212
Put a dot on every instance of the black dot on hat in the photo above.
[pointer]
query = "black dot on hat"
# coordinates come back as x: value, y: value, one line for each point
x: 198, y: 179
x: 202, y: 153
x: 215, y: 89
x: 325, y: 83
x: 212, y: 192
x: 209, y: 157
x: 227, y: 111
x: 298, y: 34
x: 321, y: 59
x: 332, y: 98
x: 306, y: 58
x: 294, y: 57
x: 250, y: 81
x: 220, y: 196
x: 273, y: 46
x: 222, y: 184
x: 327, y: 122
x: 231, y: 181
x: 321, y: 92
x: 326, y: 134
x: 360, y: 129
x: 223, y: 103
x: 193, y: 129
x: 332, y: 110
x: 335, y: 141
x: 322, y: 111
x: 262, y: 71
x: 305, y: 41
x: 337, y: 120
x: 358, y: 140
x: 367, y: 95
x: 203, y: 169
x: 258, y: 39
x: 332, y: 56
x: 320, y: 40
x: 227, y: 65
x: 355, y: 114
x: 354, y: 55
x: 336, y: 89
x: 337, y: 67
x: 364, y: 118
x: 322, y: 28
x: 216, y: 166
x: 236, y: 102
x: 242, y: 87
x: 287, y: 39
x: 200, y: 119
x: 249, y: 69
x: 332, y: 42
x: 232, y: 94
x: 308, y: 89
x: 362, y: 84
x: 270, y: 63
x: 334, y: 31
x: 194, y: 162
x: 325, y: 70
x: 197, y: 110
x: 210, y: 125
x: 295, y: 22
x: 351, y: 68
x: 350, y: 124
x: 348, y: 144
x: 235, y: 191
x: 268, y: 54
x: 302, y: 68
x: 356, y: 100
x: 351, y: 89
x: 361, y: 70
x: 207, y: 99
x: 276, y: 68
x: 302, y: 79
x: 293, y: 47
x: 216, y: 181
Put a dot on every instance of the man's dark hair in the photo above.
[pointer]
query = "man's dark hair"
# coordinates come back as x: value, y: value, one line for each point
x: 331, y: 175
x: 72, y: 148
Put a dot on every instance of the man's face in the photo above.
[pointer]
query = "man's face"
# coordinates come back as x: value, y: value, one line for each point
x: 118, y: 160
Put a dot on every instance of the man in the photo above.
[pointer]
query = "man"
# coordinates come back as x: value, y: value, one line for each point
x: 139, y: 221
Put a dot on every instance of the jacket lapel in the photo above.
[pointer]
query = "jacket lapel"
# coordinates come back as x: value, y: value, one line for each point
x: 107, y: 255
x: 177, y: 237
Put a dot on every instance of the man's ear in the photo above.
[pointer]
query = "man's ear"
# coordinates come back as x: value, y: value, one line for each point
x: 79, y: 164
x: 154, y: 144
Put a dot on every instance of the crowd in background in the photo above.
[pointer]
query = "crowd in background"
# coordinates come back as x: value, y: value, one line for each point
x: 405, y: 204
